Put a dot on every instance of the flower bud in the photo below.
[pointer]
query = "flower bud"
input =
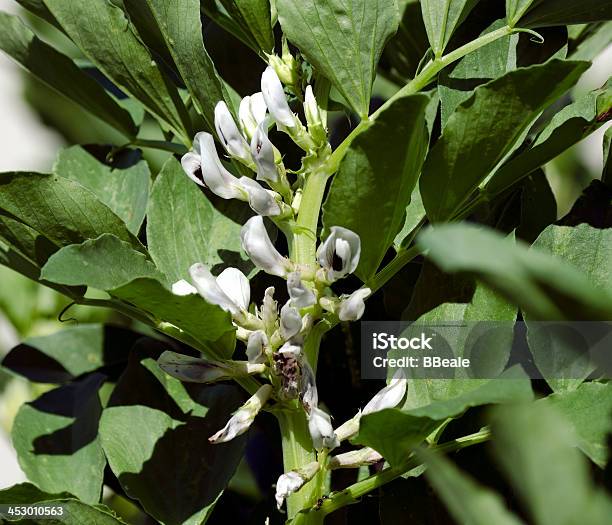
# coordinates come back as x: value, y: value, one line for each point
x: 275, y: 98
x: 299, y: 295
x: 242, y: 419
x: 252, y: 112
x: 258, y: 246
x: 262, y: 151
x: 339, y: 254
x: 321, y: 430
x: 256, y: 344
x: 388, y: 397
x: 229, y: 134
x: 313, y: 117
x: 352, y: 307
x: 293, y: 481
x: 230, y: 290
x: 204, y: 167
x: 269, y: 310
x: 197, y: 370
x: 290, y: 322
x: 262, y: 201
x: 355, y: 458
x: 349, y: 428
x: 309, y: 394
x: 182, y: 288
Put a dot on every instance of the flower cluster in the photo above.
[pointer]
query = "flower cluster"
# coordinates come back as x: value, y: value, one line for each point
x: 274, y: 337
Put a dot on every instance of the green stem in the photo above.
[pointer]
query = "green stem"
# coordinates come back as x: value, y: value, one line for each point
x: 163, y: 145
x: 401, y: 259
x: 352, y: 494
x: 313, y: 341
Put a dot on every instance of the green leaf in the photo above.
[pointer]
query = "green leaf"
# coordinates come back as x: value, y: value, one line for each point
x: 255, y: 19
x: 69, y: 353
x: 563, y: 362
x: 541, y: 13
x: 343, y: 40
x: 111, y: 42
x: 59, y: 209
x: 56, y: 439
x: 476, y: 68
x: 485, y: 128
x: 606, y: 175
x: 467, y: 501
x: 588, y: 410
x: 60, y: 73
x: 376, y: 178
x: 535, y: 448
x: 75, y: 512
x: 183, y: 227
x: 179, y: 22
x: 568, y: 127
x: 124, y: 190
x: 441, y: 18
x: 103, y: 263
x: 155, y: 434
x: 543, y: 286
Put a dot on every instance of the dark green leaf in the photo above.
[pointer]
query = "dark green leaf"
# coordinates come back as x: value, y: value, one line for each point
x: 343, y: 39
x: 180, y: 25
x: 541, y: 13
x: 372, y: 188
x: 441, y: 18
x: 183, y: 227
x: 542, y: 285
x: 59, y: 209
x: 111, y: 42
x: 60, y: 73
x: 485, y: 128
x: 606, y: 176
x: 254, y: 18
x: 468, y: 502
x: 56, y: 439
x: 75, y: 512
x: 124, y: 191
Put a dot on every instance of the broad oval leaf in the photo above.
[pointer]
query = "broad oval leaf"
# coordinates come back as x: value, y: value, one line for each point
x: 343, y: 39
x: 441, y: 18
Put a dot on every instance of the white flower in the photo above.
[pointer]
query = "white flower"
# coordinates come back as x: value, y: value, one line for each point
x: 274, y: 95
x: 269, y: 310
x: 183, y: 287
x: 204, y: 167
x: 230, y: 290
x: 290, y: 321
x: 355, y: 458
x: 299, y: 295
x: 262, y: 151
x: 255, y: 346
x: 290, y: 349
x: 263, y: 202
x: 252, y: 112
x: 308, y: 391
x: 321, y: 430
x: 339, y: 254
x: 258, y: 246
x: 242, y: 419
x: 197, y: 370
x: 293, y: 481
x: 352, y: 307
x: 229, y: 134
x: 316, y: 128
x: 388, y: 397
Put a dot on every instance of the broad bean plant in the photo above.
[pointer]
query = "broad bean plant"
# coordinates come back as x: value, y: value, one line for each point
x: 273, y: 172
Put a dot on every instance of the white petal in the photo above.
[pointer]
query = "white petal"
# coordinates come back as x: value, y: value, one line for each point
x: 290, y: 349
x: 262, y: 151
x: 220, y: 181
x: 182, y: 287
x: 308, y: 392
x: 343, y: 247
x: 258, y: 107
x: 300, y: 296
x: 269, y: 309
x: 290, y: 321
x: 192, y: 166
x: 262, y: 201
x: 274, y: 95
x: 321, y: 430
x: 229, y: 134
x: 258, y: 246
x: 193, y: 369
x: 390, y: 396
x: 293, y: 481
x: 207, y: 286
x: 355, y: 458
x: 255, y: 346
x: 252, y: 112
x: 352, y: 307
x: 311, y: 109
x: 236, y: 286
x: 240, y: 422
